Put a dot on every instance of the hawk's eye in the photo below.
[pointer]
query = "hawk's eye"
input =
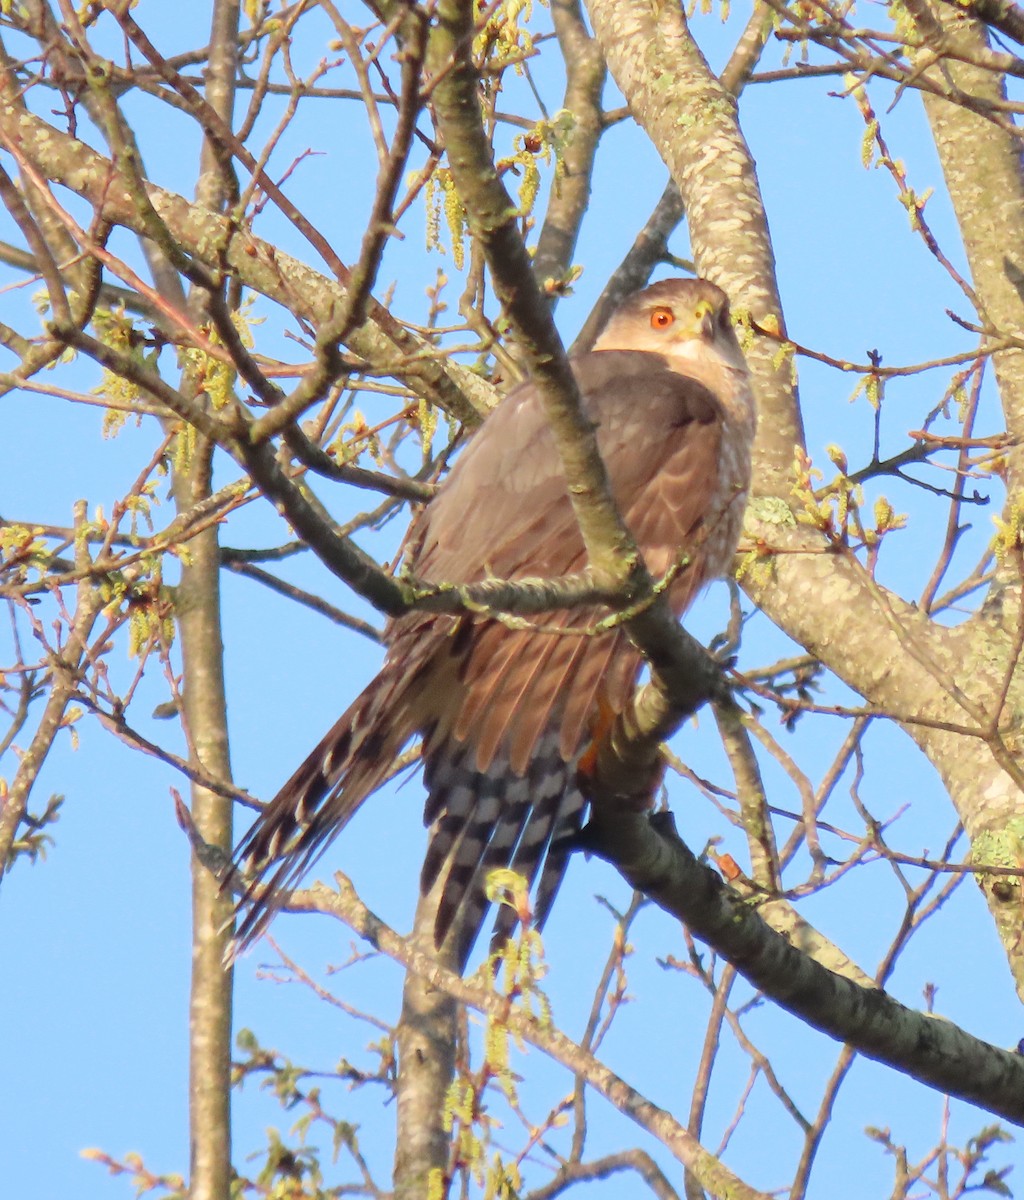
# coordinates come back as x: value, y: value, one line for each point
x: 662, y: 318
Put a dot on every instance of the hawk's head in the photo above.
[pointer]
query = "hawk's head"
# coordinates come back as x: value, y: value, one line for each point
x: 686, y: 320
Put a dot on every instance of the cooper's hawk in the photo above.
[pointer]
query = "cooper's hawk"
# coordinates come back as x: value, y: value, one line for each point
x: 505, y: 714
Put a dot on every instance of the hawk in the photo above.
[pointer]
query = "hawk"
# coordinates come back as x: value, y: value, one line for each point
x: 505, y: 714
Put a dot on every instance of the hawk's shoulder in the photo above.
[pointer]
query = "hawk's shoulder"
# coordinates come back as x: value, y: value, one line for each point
x: 646, y: 384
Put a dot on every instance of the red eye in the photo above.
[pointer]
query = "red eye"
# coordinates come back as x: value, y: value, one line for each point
x: 662, y: 318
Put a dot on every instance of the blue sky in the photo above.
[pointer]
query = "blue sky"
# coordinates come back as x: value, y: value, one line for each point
x: 96, y: 939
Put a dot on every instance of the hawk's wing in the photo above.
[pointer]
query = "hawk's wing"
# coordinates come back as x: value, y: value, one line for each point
x: 505, y: 512
x: 504, y: 509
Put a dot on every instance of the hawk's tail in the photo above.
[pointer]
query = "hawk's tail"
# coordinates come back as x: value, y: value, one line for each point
x: 495, y: 817
x: 317, y: 802
x: 484, y: 812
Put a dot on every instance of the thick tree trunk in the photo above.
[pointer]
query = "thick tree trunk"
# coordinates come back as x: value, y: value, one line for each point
x: 984, y: 173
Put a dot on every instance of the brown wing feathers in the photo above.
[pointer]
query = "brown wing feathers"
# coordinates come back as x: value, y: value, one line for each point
x: 505, y: 713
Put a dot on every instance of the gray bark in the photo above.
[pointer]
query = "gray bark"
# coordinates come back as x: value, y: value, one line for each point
x: 205, y: 702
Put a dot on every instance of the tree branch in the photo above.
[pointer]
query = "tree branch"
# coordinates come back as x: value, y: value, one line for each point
x: 347, y: 907
x: 930, y: 1049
